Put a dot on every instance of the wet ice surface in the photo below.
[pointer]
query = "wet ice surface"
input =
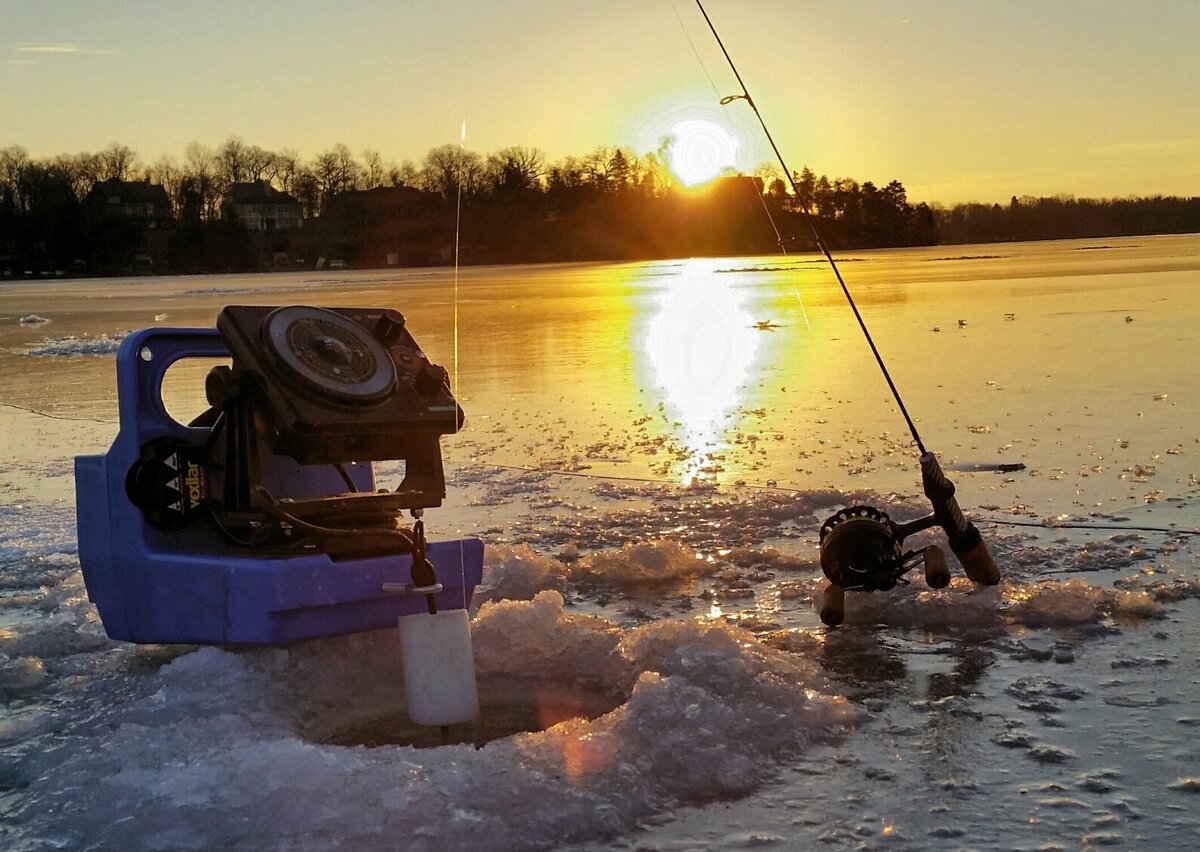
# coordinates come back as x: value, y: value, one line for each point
x: 1058, y: 710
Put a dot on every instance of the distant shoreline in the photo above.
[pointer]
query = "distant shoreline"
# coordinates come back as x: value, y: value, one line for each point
x: 839, y: 254
x: 239, y: 209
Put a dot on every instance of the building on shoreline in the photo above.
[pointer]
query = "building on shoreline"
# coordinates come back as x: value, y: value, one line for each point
x: 258, y: 206
x: 130, y: 201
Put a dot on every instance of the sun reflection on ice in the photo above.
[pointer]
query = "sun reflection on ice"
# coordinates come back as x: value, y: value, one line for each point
x: 702, y: 344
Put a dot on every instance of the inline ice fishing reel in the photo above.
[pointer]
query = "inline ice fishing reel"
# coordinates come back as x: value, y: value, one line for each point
x: 312, y: 392
x: 862, y: 548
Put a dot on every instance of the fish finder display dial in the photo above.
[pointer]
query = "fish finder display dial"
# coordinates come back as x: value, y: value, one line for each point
x: 330, y: 353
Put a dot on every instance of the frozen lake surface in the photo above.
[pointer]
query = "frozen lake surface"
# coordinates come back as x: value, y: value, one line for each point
x: 650, y: 451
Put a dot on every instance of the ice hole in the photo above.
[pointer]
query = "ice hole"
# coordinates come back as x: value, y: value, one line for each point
x: 507, y: 708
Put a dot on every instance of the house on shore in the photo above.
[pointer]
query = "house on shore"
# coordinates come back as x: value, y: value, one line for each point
x: 258, y: 206
x: 130, y: 223
x: 129, y: 201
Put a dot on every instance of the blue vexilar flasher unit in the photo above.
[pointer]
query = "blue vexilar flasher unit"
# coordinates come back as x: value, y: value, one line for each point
x: 260, y: 521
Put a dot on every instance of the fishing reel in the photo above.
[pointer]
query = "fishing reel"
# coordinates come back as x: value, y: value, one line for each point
x: 283, y: 456
x: 861, y: 551
x: 862, y: 548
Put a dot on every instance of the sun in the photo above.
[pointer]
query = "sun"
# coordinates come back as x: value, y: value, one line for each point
x: 700, y: 150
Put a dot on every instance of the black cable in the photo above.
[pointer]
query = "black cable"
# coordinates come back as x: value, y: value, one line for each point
x: 912, y: 428
x: 423, y: 575
x: 346, y: 477
x: 272, y: 508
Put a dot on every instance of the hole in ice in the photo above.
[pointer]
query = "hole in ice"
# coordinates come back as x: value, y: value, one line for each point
x: 506, y: 708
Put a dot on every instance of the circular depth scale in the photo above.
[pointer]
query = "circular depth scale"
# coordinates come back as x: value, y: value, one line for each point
x: 330, y: 353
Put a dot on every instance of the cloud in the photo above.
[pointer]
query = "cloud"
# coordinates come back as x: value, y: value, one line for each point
x: 48, y: 48
x: 26, y: 47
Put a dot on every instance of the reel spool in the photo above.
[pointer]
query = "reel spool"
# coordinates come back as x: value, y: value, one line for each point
x: 860, y: 551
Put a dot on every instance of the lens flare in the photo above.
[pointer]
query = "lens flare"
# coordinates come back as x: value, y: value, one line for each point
x: 701, y: 150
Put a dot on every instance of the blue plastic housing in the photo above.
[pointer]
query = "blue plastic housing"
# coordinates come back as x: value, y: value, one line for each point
x: 192, y: 586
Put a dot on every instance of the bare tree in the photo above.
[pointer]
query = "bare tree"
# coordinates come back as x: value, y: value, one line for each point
x: 259, y: 163
x: 230, y: 160
x: 449, y: 168
x: 335, y: 171
x: 167, y: 172
x: 79, y: 170
x: 14, y: 160
x: 374, y: 170
x: 405, y: 174
x: 116, y: 162
x: 653, y: 175
x: 305, y: 188
x: 284, y: 169
x: 594, y: 168
x: 514, y: 169
x: 203, y: 176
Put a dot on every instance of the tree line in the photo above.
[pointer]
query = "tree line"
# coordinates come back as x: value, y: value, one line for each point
x: 1064, y: 217
x: 203, y: 175
x: 511, y: 205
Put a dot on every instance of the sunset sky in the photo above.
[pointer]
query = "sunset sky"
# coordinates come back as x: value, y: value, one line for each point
x: 960, y: 100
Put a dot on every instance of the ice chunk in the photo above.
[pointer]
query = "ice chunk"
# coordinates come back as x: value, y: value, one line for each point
x: 101, y: 344
x: 1052, y: 604
x: 643, y: 562
x: 538, y: 638
x: 21, y: 674
x: 518, y: 573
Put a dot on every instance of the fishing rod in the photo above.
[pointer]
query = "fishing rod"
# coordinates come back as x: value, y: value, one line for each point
x: 745, y: 95
x: 861, y: 547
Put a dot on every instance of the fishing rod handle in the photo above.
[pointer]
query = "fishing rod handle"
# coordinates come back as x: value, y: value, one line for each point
x: 964, y: 538
x: 940, y: 492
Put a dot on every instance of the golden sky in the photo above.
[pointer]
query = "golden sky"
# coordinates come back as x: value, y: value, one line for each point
x: 959, y: 99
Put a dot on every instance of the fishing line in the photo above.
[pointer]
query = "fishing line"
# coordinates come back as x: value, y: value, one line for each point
x: 717, y: 92
x: 1049, y: 525
x: 803, y: 311
x: 745, y: 95
x: 695, y: 52
x: 1003, y: 522
x: 462, y: 141
x: 779, y: 241
x: 62, y: 417
x: 608, y: 477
